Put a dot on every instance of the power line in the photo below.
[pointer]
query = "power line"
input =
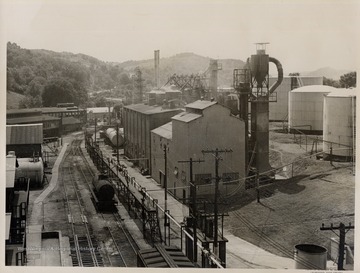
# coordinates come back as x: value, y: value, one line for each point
x: 216, y: 153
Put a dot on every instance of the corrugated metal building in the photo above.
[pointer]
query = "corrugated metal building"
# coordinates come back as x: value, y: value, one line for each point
x: 204, y: 125
x: 51, y: 125
x: 52, y: 118
x: 25, y: 140
x: 139, y: 120
x: 278, y: 109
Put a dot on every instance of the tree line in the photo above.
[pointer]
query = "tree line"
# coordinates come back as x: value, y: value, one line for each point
x: 46, y: 78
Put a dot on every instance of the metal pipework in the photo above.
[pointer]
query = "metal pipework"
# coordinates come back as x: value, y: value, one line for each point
x: 280, y: 74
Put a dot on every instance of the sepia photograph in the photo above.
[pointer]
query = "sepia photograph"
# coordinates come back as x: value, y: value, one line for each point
x: 168, y: 134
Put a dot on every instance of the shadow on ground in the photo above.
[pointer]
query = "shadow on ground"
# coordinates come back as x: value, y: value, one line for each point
x: 286, y: 186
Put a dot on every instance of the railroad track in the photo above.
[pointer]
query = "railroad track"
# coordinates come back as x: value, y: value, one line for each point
x: 84, y: 248
x: 123, y: 244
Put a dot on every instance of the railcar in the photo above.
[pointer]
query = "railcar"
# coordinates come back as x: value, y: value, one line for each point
x: 104, y: 193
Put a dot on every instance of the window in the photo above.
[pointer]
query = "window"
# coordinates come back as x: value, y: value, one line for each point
x: 204, y: 178
x: 230, y: 178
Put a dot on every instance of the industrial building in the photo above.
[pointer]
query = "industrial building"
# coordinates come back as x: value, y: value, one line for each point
x: 101, y: 114
x: 51, y: 124
x: 279, y: 105
x: 17, y: 201
x: 139, y: 120
x: 339, y: 133
x: 55, y: 120
x: 25, y: 140
x: 306, y: 108
x: 201, y: 127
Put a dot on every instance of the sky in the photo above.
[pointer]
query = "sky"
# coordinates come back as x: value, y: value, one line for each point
x: 303, y: 35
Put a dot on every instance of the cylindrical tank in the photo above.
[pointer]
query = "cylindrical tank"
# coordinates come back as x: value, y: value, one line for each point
x: 309, y: 256
x: 112, y: 136
x: 339, y: 123
x: 104, y: 190
x: 232, y: 102
x: 32, y: 168
x: 306, y: 108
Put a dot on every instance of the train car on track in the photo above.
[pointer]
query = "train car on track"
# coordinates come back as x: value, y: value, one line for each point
x: 113, y: 138
x: 104, y: 193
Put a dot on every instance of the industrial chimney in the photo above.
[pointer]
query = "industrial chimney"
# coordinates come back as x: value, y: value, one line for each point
x: 157, y: 71
x: 213, y: 82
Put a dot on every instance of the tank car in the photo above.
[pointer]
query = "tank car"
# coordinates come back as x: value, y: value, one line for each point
x: 112, y: 137
x: 104, y: 193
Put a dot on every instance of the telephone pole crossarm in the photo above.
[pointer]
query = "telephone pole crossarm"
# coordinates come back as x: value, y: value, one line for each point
x: 343, y: 230
x: 192, y: 207
x: 216, y: 153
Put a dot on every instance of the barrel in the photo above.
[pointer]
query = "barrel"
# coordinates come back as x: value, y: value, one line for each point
x: 309, y: 256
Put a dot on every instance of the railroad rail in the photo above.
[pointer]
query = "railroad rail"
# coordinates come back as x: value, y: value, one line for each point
x: 124, y: 244
x: 84, y: 249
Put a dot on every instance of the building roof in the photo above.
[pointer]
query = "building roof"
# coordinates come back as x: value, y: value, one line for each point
x: 314, y: 89
x: 186, y: 117
x: 10, y: 171
x: 34, y: 119
x: 301, y: 77
x: 164, y: 131
x: 200, y: 104
x: 24, y: 134
x: 61, y: 109
x: 343, y: 92
x: 165, y: 89
x: 23, y: 111
x: 98, y: 110
x: 156, y: 92
x: 44, y: 110
x: 149, y: 110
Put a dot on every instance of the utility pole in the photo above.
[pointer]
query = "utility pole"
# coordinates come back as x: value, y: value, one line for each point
x: 216, y: 153
x: 166, y: 224
x: 192, y: 207
x: 95, y: 131
x: 117, y: 141
x: 343, y: 230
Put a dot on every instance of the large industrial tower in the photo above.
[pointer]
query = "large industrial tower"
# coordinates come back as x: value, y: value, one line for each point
x: 252, y: 85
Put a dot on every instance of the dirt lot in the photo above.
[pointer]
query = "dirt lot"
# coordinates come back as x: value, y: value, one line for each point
x: 292, y: 210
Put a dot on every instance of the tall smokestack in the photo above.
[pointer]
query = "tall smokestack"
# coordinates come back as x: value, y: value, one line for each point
x: 213, y: 84
x: 157, y: 63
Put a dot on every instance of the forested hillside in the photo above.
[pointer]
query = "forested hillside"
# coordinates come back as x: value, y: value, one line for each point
x: 46, y: 78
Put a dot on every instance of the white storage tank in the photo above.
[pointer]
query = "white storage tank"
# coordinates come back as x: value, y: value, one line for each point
x: 32, y: 168
x: 309, y: 256
x: 306, y: 108
x: 279, y: 101
x: 339, y: 123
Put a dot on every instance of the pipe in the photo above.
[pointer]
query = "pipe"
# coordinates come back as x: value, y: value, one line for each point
x: 280, y: 74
